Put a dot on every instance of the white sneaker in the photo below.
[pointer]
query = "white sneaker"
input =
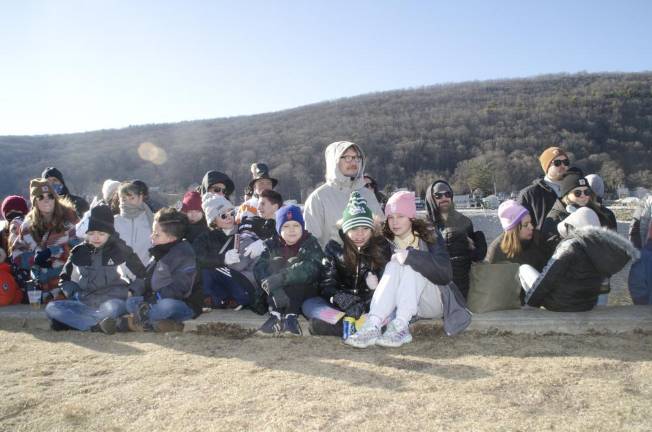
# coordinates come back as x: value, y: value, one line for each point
x: 364, y: 337
x: 396, y: 335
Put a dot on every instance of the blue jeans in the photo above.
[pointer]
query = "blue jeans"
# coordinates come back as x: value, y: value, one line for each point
x: 79, y: 316
x: 220, y: 287
x: 164, y: 309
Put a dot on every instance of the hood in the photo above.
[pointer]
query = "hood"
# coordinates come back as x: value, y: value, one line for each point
x: 431, y: 207
x: 333, y: 175
x: 608, y: 251
x: 212, y: 177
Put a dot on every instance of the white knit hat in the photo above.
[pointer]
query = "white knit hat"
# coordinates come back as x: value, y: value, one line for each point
x: 580, y: 218
x: 109, y: 188
x: 214, y: 205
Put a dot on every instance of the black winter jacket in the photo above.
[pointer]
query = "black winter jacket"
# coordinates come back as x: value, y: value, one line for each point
x: 538, y: 198
x: 571, y: 280
x: 337, y: 277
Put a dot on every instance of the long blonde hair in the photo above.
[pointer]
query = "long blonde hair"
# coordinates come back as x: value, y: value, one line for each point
x: 511, y: 242
x: 64, y: 211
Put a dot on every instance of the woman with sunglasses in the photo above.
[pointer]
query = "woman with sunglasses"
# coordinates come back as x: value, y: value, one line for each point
x: 226, y: 273
x: 575, y: 193
x: 519, y: 241
x: 46, y: 237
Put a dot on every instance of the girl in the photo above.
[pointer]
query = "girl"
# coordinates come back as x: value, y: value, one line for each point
x: 412, y: 280
x: 46, y: 237
x: 134, y: 223
x: 352, y: 269
x: 519, y: 242
x: 572, y: 278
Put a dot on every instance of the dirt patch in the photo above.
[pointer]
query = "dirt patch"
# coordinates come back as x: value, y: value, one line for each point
x: 84, y: 381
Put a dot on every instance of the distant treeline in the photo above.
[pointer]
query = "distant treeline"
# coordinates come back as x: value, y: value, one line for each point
x: 474, y: 133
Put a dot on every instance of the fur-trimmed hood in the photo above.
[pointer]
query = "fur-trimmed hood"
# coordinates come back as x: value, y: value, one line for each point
x: 608, y: 250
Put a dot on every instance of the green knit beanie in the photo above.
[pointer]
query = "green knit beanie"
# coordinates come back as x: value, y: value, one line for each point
x: 356, y: 213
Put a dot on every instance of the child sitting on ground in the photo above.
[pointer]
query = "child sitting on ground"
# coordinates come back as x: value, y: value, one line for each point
x: 164, y: 298
x: 288, y: 271
x: 98, y: 297
x: 415, y: 281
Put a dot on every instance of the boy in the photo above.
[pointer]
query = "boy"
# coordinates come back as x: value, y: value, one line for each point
x: 98, y: 298
x: 288, y: 271
x: 164, y: 298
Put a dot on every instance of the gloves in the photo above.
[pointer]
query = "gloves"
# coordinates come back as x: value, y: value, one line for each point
x: 400, y: 256
x: 273, y: 286
x: 356, y: 310
x: 231, y: 257
x: 371, y: 280
x: 41, y: 258
x: 344, y: 300
x: 255, y: 249
x: 69, y: 289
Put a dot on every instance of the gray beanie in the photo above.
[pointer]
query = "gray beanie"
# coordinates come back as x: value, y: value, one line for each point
x: 596, y: 183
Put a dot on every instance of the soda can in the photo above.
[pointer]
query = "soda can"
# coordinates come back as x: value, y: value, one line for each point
x: 348, y: 327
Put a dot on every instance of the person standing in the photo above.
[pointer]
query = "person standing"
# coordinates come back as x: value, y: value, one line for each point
x: 345, y: 164
x: 541, y: 195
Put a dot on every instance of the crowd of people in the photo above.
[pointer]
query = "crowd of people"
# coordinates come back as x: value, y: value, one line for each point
x: 353, y: 262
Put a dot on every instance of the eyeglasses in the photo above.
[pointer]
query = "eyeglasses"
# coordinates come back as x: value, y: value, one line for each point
x: 440, y: 195
x: 44, y: 196
x: 228, y: 214
x: 348, y: 158
x: 217, y: 189
x: 578, y: 192
x: 560, y: 162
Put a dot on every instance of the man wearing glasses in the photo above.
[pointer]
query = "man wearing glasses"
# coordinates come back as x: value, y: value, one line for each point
x: 345, y: 164
x: 541, y: 195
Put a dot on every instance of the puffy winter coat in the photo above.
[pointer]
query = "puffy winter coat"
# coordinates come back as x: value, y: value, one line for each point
x: 98, y: 268
x: 571, y: 280
x: 337, y: 277
x: 136, y: 233
x: 641, y: 222
x: 302, y: 269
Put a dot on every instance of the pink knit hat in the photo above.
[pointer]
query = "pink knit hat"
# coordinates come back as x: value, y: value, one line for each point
x: 510, y: 213
x: 402, y: 202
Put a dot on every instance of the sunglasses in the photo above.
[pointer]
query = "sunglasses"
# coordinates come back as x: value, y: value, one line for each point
x: 44, y: 196
x: 440, y: 195
x: 228, y: 214
x: 560, y: 162
x: 217, y: 189
x: 578, y: 193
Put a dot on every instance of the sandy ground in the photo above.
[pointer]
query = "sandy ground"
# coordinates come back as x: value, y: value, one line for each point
x: 71, y: 381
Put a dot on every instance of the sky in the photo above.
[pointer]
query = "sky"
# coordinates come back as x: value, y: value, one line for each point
x: 73, y: 66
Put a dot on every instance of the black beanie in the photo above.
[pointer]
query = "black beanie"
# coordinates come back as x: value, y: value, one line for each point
x: 53, y: 172
x: 571, y: 181
x: 101, y: 219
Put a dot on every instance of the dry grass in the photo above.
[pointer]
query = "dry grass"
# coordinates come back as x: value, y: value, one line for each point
x: 72, y: 381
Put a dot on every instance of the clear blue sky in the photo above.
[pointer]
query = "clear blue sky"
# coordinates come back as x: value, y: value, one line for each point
x: 68, y: 66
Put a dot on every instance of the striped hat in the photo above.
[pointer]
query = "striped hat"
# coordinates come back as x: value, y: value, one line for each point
x: 356, y: 214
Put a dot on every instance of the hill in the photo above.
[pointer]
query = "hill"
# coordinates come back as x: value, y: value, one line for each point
x: 474, y: 133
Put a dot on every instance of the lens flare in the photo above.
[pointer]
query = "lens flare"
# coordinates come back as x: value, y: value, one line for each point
x: 152, y: 153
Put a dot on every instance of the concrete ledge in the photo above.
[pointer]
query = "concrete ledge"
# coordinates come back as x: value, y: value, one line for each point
x: 612, y: 319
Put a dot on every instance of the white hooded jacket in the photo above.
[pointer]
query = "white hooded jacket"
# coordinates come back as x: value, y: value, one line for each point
x: 325, y: 205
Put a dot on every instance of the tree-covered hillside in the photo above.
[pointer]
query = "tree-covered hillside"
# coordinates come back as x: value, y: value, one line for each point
x: 473, y: 133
